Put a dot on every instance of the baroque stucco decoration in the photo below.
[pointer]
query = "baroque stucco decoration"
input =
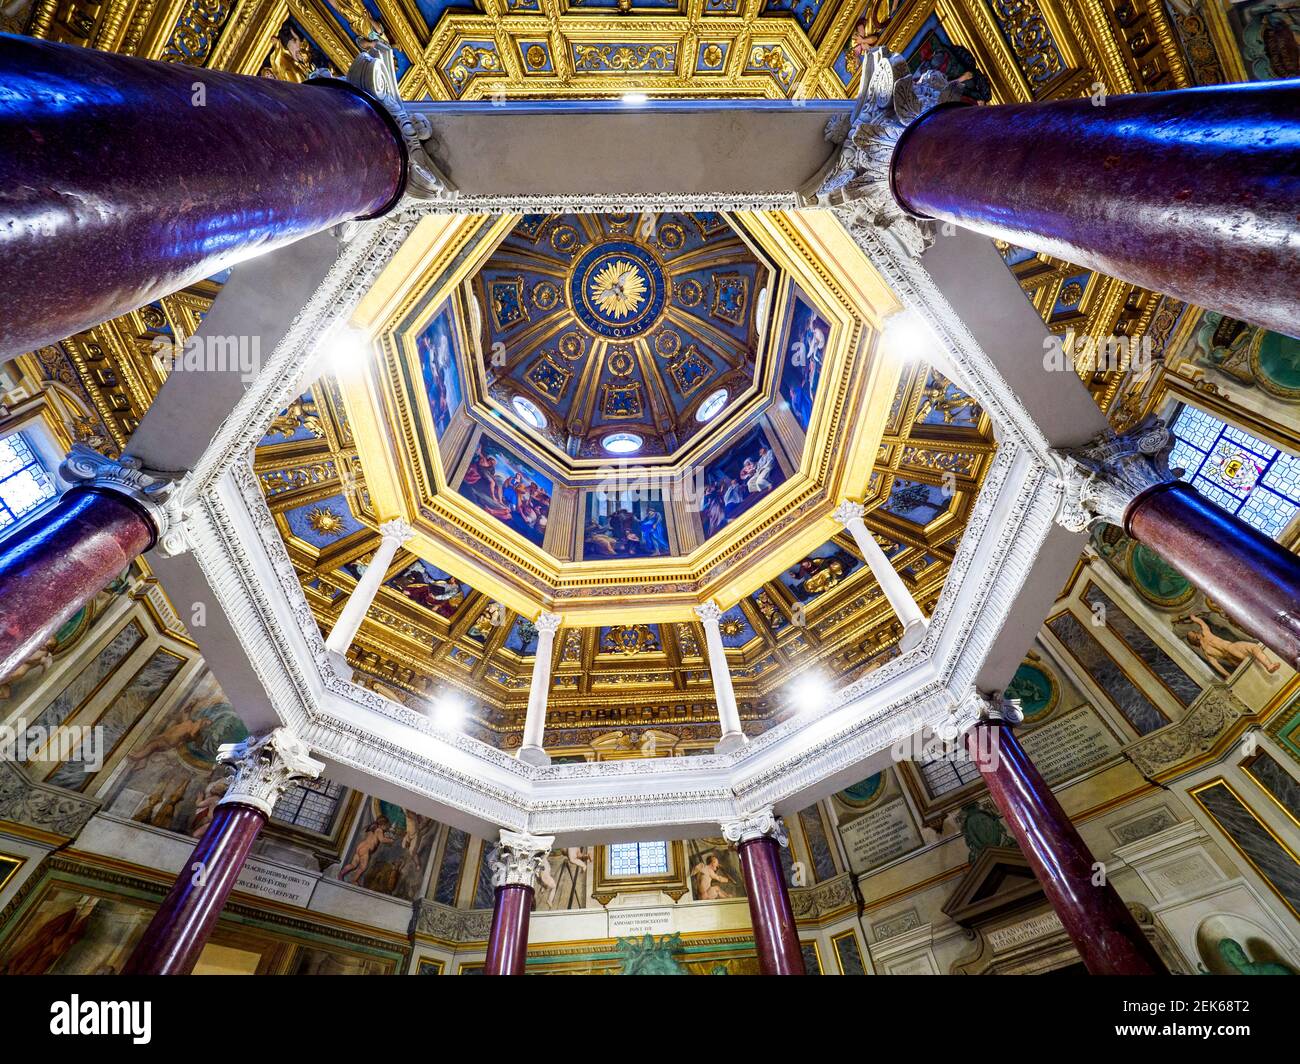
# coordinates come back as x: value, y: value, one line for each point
x: 1103, y: 477
x: 164, y: 496
x: 857, y: 187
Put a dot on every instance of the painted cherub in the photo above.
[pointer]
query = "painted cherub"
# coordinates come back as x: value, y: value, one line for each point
x: 377, y: 834
x: 189, y: 726
x: 1225, y: 655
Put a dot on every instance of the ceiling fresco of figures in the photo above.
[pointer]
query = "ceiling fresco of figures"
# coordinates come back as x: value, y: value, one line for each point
x: 610, y: 334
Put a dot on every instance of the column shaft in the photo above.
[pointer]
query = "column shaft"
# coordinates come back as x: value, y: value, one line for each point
x: 507, y: 949
x: 1190, y: 192
x: 904, y: 605
x: 180, y: 928
x: 123, y: 179
x: 363, y: 596
x: 59, y: 562
x: 723, y: 692
x: 1095, y: 917
x: 531, y: 750
x: 775, y: 935
x: 1255, y: 579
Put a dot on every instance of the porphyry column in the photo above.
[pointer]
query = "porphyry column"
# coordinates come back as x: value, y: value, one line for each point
x: 124, y: 179
x: 1124, y: 479
x: 759, y: 838
x: 264, y: 767
x: 516, y: 865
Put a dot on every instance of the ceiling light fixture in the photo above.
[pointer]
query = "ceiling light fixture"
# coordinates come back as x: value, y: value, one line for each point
x: 344, y: 353
x: 529, y: 411
x: 635, y: 99
x: 448, y: 711
x: 809, y: 691
x: 907, y: 337
x: 712, y: 406
x: 622, y: 443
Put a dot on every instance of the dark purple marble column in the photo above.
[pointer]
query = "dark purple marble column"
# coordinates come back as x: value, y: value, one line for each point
x: 1255, y: 579
x: 60, y: 562
x: 1103, y: 930
x: 507, y: 949
x: 180, y: 928
x: 1191, y: 192
x: 775, y: 935
x: 123, y: 179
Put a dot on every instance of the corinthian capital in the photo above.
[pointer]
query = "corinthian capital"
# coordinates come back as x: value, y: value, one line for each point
x: 519, y: 857
x: 849, y: 511
x: 264, y: 766
x: 396, y: 529
x: 1105, y: 475
x: 375, y: 71
x: 762, y: 824
x: 164, y: 496
x: 857, y: 184
x: 548, y: 622
x: 709, y: 612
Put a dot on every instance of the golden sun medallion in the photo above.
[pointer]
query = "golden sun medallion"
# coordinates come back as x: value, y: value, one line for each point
x: 618, y: 289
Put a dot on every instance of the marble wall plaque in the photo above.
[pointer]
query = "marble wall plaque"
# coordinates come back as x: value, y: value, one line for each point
x: 275, y: 882
x: 880, y: 835
x: 632, y: 923
x: 1069, y: 745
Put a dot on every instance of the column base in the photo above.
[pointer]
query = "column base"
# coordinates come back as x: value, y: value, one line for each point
x: 340, y: 663
x: 534, y: 755
x: 730, y: 742
x: 913, y: 635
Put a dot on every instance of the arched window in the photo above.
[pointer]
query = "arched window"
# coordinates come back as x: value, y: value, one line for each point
x: 1239, y: 472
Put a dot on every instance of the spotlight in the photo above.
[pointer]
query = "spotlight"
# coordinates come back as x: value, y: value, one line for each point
x: 345, y: 351
x: 448, y: 711
x: 811, y: 690
x: 907, y: 337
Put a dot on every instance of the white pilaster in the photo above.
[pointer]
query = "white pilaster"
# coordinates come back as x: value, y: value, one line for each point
x: 723, y: 693
x: 531, y: 752
x: 393, y: 534
x: 849, y: 514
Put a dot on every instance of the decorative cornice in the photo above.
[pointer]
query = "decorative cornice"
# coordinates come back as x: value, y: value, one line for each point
x: 519, y: 857
x: 1163, y: 752
x: 166, y: 497
x: 1101, y: 478
x: 451, y: 925
x: 828, y: 900
x: 857, y: 187
x: 265, y: 766
x: 36, y: 805
x: 758, y: 825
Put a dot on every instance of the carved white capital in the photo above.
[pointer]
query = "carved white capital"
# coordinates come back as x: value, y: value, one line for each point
x: 1101, y: 478
x: 857, y: 184
x: 519, y: 857
x: 548, y: 622
x: 264, y: 766
x: 849, y: 511
x: 709, y: 612
x: 996, y: 706
x: 374, y: 71
x: 396, y: 530
x: 764, y: 823
x: 165, y: 496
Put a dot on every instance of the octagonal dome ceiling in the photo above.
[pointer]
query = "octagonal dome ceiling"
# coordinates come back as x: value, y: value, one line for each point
x: 622, y: 334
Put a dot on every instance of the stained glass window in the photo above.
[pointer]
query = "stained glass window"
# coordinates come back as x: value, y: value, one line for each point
x: 1241, y: 473
x: 309, y: 804
x: 638, y: 858
x: 24, y: 482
